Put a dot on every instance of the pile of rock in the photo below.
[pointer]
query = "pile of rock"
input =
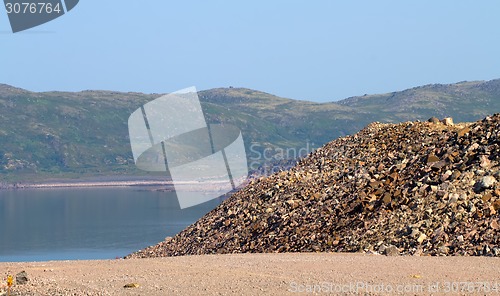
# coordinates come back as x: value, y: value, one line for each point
x: 423, y: 188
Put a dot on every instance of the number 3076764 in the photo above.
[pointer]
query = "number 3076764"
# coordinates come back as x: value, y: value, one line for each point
x: 32, y: 8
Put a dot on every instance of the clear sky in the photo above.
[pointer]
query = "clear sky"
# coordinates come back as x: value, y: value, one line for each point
x: 310, y: 50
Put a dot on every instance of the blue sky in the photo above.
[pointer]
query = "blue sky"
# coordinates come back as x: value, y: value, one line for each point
x: 310, y: 50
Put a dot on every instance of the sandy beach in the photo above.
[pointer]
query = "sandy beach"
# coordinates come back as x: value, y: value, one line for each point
x: 262, y: 274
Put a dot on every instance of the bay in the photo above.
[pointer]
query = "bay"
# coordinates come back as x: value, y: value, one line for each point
x: 88, y: 223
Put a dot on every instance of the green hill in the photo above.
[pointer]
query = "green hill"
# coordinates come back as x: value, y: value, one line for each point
x: 65, y: 134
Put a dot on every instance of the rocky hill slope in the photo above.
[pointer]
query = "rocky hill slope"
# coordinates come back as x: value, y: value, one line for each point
x: 411, y: 188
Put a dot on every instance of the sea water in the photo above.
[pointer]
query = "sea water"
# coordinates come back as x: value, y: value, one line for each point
x: 88, y: 223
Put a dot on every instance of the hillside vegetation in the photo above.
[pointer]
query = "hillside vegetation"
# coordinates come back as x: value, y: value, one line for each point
x: 65, y: 134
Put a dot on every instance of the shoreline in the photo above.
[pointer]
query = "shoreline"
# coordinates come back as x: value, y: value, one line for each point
x: 155, y: 185
x: 88, y: 181
x: 86, y: 184
x: 161, y: 183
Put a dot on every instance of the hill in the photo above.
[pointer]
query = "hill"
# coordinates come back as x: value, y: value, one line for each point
x: 414, y: 188
x: 64, y: 134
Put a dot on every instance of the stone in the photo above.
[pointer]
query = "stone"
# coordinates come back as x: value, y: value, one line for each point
x: 486, y: 182
x: 438, y: 165
x: 131, y: 285
x: 446, y: 175
x: 448, y: 121
x: 495, y: 225
x: 487, y: 197
x: 463, y: 132
x: 22, y: 278
x: 453, y: 198
x: 485, y: 162
x: 391, y: 250
x: 441, y: 193
x: 443, y: 250
x: 431, y: 158
x: 434, y: 120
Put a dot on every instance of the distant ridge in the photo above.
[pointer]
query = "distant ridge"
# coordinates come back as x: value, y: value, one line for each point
x: 6, y: 89
x: 73, y: 134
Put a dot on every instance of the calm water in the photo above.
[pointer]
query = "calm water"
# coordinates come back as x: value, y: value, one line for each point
x: 97, y: 223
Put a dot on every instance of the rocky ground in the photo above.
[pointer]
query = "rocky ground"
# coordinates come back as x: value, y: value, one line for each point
x: 260, y: 274
x: 415, y: 188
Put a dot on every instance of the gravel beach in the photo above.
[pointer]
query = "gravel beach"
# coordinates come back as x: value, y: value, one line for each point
x: 262, y: 274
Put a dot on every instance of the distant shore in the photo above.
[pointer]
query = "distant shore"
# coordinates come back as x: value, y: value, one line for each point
x: 156, y: 184
x: 86, y: 184
x: 105, y: 181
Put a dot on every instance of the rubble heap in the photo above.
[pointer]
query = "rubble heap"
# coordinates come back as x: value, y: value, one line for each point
x: 415, y: 188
